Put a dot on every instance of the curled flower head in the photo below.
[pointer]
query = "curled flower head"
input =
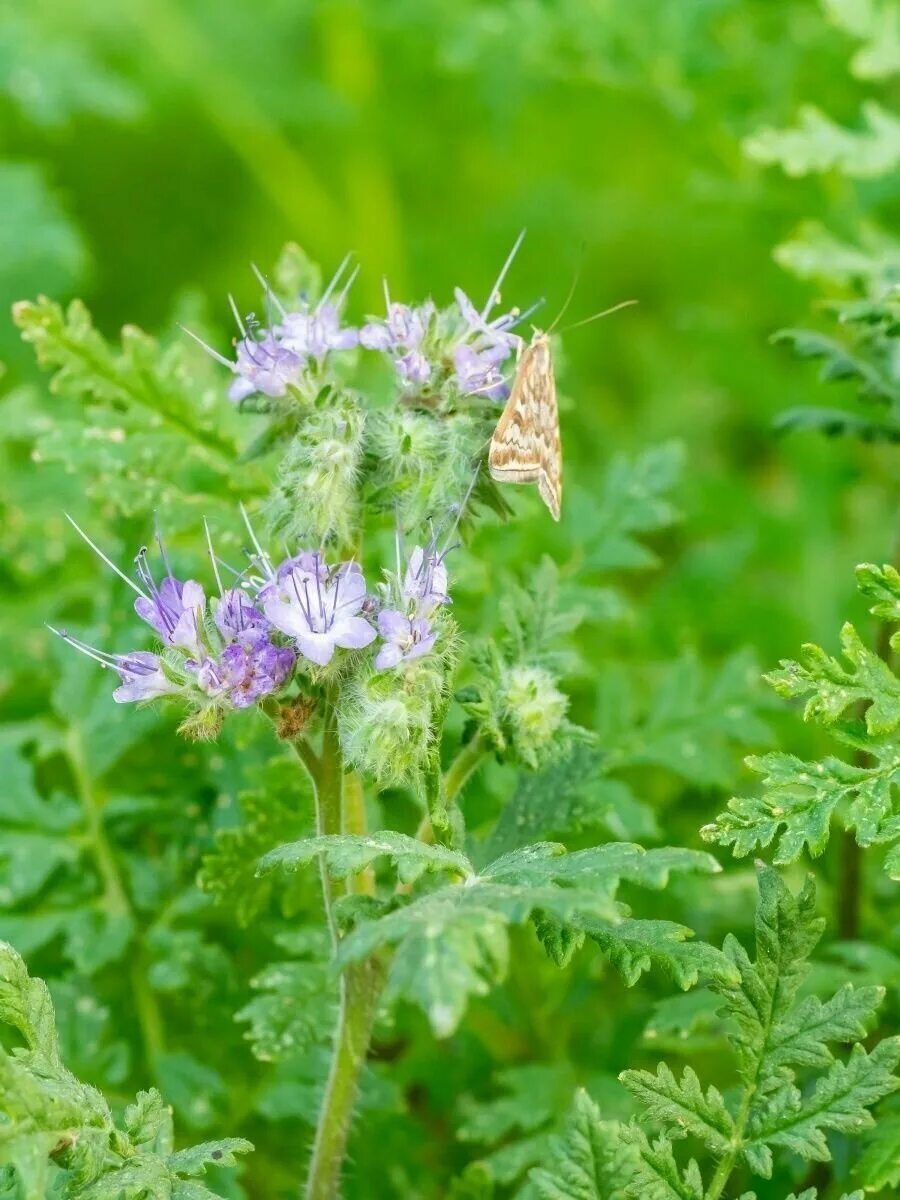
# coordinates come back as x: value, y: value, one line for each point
x: 318, y: 606
x: 405, y: 638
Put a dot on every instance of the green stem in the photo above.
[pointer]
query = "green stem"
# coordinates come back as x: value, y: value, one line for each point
x: 462, y: 768
x: 116, y: 901
x: 361, y: 984
x: 361, y: 987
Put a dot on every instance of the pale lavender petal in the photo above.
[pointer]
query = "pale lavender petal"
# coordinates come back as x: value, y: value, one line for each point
x: 353, y: 633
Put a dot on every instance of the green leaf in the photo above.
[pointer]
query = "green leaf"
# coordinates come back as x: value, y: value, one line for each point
x: 298, y: 998
x: 652, y: 1172
x: 55, y: 1127
x: 683, y: 1106
x: 840, y: 1101
x: 220, y: 1153
x: 633, y: 502
x: 348, y: 854
x: 451, y: 943
x: 876, y: 23
x: 580, y: 1162
x: 272, y: 813
x: 817, y: 144
x: 840, y: 363
x: 832, y: 688
x: 693, y: 723
x: 569, y: 796
x: 879, y: 1164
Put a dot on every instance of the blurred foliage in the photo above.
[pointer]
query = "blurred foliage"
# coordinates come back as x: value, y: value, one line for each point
x: 656, y: 150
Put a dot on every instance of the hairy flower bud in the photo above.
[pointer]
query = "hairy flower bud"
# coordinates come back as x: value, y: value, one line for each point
x: 387, y: 719
x: 315, y: 496
x: 533, y: 709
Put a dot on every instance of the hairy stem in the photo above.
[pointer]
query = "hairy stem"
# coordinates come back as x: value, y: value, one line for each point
x: 462, y: 768
x: 361, y: 984
x: 116, y: 901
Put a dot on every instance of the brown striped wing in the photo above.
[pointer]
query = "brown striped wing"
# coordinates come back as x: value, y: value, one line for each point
x: 525, y: 447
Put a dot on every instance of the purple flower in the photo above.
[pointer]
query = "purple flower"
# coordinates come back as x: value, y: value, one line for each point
x: 264, y: 365
x: 314, y: 333
x: 425, y: 581
x: 482, y: 348
x: 405, y: 638
x: 174, y: 609
x: 404, y: 328
x: 236, y: 615
x: 255, y: 667
x: 141, y: 673
x: 318, y: 608
x: 142, y: 678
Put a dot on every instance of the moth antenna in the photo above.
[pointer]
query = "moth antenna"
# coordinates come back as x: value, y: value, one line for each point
x: 596, y: 317
x: 568, y: 300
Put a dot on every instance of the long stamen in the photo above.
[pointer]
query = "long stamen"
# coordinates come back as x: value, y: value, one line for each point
x: 162, y: 549
x: 387, y: 296
x: 462, y: 509
x: 270, y: 295
x: 339, y: 303
x: 237, y: 315
x: 226, y: 362
x: 100, y: 656
x: 494, y: 296
x: 334, y: 280
x: 212, y: 556
x: 96, y: 549
x: 263, y: 557
x: 169, y: 615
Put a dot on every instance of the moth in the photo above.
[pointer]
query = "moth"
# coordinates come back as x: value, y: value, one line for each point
x: 526, y: 446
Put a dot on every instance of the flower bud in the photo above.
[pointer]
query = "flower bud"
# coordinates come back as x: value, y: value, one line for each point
x: 315, y: 496
x: 533, y: 710
x: 386, y: 720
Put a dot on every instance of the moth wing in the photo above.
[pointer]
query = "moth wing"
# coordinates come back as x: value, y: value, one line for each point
x: 513, y: 456
x: 549, y: 444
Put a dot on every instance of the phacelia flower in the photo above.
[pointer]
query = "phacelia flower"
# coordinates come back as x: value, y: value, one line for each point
x: 315, y: 331
x: 318, y: 607
x: 141, y: 673
x: 247, y: 669
x: 174, y: 609
x: 264, y: 365
x: 234, y: 659
x: 425, y: 582
x: 405, y: 638
x: 236, y: 614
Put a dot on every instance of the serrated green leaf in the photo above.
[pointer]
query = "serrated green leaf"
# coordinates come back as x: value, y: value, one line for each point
x: 817, y: 144
x: 348, y: 854
x: 580, y: 1162
x: 682, y: 1106
x: 452, y: 943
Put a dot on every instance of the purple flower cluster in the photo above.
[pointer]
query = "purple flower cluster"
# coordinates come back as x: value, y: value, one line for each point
x: 270, y: 361
x: 237, y: 664
x: 461, y: 344
x: 407, y: 632
x: 428, y: 347
x: 248, y: 644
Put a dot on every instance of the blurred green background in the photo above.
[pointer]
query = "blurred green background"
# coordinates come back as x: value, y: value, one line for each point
x: 152, y: 150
